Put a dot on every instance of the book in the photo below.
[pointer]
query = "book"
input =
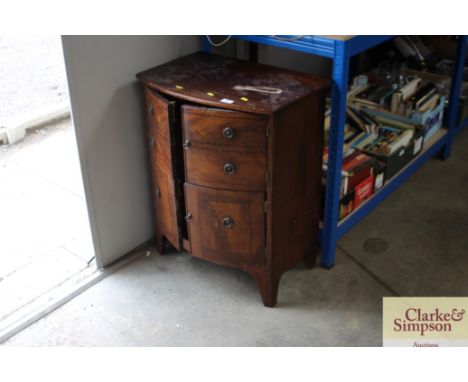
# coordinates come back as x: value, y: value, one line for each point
x: 363, y: 190
x: 363, y: 140
x: 346, y: 205
x: 351, y: 132
x: 395, y: 102
x: 410, y: 88
x: 370, y: 96
x: 386, y: 97
x: 357, y: 167
x: 423, y: 94
x: 419, y: 98
x: 398, y: 100
x: 392, y: 122
x: 371, y: 126
x: 402, y: 140
x: 350, y: 136
x: 343, y: 185
x: 356, y: 162
x: 327, y: 120
x: 353, y: 116
x: 430, y: 104
x: 390, y: 140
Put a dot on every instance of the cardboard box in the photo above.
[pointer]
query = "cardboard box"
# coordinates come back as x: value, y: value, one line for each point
x: 363, y: 191
x: 431, y: 120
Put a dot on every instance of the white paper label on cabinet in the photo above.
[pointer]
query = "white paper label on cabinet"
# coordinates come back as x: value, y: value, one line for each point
x: 226, y: 100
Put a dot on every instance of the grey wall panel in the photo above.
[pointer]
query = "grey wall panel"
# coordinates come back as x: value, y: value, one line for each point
x: 107, y: 115
x: 284, y: 58
x: 293, y: 60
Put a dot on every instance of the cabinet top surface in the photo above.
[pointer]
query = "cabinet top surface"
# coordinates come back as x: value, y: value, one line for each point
x: 231, y: 83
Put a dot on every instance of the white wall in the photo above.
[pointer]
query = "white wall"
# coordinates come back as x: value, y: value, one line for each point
x: 108, y: 119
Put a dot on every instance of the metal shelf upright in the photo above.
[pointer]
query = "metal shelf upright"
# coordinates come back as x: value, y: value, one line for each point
x: 340, y: 49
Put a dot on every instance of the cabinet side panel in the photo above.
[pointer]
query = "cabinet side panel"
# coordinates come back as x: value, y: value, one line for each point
x: 295, y: 166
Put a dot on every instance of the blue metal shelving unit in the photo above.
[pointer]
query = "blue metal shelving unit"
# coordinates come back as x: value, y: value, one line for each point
x: 340, y: 52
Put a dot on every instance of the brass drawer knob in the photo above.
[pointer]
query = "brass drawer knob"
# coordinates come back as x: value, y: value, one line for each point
x: 229, y: 168
x: 228, y: 133
x: 228, y: 222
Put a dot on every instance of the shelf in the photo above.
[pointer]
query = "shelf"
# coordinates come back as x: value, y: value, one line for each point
x: 340, y: 49
x: 431, y: 147
x: 320, y: 45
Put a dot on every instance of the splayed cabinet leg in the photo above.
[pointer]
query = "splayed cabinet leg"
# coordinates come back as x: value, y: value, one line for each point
x: 160, y: 243
x: 267, y: 283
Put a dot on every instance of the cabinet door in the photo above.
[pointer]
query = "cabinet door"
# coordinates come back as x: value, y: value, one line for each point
x: 226, y: 227
x: 162, y: 148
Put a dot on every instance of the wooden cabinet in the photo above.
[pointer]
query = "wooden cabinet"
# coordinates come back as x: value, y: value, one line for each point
x: 236, y: 153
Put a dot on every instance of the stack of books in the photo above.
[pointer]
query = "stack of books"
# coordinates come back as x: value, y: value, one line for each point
x: 361, y: 177
x: 413, y: 97
x: 361, y: 174
x: 371, y: 155
x: 380, y: 135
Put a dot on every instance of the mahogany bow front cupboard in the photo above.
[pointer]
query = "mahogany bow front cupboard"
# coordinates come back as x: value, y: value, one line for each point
x: 236, y: 154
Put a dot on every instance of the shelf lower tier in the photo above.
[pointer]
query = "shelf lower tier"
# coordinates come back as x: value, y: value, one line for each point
x: 431, y: 148
x: 463, y: 124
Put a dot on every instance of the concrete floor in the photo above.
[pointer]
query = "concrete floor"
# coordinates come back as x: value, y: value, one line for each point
x: 415, y: 243
x: 44, y: 225
x: 32, y: 76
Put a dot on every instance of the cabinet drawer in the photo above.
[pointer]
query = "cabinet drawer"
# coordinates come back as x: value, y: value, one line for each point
x: 223, y: 127
x: 221, y: 168
x: 226, y: 227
